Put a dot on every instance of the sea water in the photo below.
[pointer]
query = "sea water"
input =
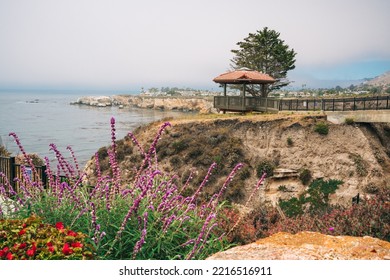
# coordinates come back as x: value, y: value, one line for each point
x: 40, y: 118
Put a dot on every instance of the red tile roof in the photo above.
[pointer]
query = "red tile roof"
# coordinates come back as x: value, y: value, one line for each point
x: 244, y: 76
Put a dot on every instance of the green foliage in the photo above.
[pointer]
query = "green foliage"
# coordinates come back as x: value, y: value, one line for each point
x: 360, y: 165
x: 349, y: 121
x: 292, y: 207
x: 264, y: 51
x: 283, y: 188
x: 317, y: 197
x: 305, y: 176
x: 245, y: 173
x: 179, y: 146
x: 318, y: 194
x: 266, y: 166
x: 322, y: 128
x: 371, y: 217
x: 31, y: 239
x: 290, y: 142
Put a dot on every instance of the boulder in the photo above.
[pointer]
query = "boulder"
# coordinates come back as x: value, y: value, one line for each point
x: 309, y: 246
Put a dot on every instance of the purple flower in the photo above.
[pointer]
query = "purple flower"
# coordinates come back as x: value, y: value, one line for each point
x: 331, y: 229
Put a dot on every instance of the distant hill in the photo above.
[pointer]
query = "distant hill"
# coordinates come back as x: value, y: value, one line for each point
x: 382, y: 80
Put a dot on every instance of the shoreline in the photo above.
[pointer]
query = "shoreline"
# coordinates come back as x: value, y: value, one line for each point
x: 202, y: 105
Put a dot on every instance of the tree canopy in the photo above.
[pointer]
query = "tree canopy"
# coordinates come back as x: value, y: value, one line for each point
x: 265, y: 52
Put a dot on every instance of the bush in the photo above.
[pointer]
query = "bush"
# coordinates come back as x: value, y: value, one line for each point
x: 30, y: 239
x: 322, y: 128
x: 265, y: 166
x: 283, y: 188
x: 179, y: 146
x: 371, y: 217
x: 349, y: 121
x: 305, y: 176
x: 290, y: 142
x: 360, y: 165
x: 316, y: 197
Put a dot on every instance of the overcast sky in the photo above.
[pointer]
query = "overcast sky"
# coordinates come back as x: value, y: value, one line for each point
x: 126, y: 45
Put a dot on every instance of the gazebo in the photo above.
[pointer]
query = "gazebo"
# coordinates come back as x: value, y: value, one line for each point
x: 245, y: 103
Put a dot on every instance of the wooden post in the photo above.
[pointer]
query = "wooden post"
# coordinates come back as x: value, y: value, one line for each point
x: 44, y: 176
x: 243, y: 99
x: 377, y: 102
x: 354, y: 103
x: 12, y: 172
x: 224, y: 99
x: 387, y: 102
x: 263, y: 90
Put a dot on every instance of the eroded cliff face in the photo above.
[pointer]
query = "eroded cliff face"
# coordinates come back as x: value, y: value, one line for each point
x: 354, y: 154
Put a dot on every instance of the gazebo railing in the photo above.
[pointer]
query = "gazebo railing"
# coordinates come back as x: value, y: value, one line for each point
x: 244, y: 104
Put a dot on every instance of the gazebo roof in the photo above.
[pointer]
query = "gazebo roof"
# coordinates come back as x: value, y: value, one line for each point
x: 244, y: 77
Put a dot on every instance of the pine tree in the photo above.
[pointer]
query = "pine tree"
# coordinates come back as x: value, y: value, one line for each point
x: 265, y: 52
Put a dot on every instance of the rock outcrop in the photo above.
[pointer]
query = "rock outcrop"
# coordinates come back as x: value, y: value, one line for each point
x: 309, y: 246
x: 201, y: 105
x: 97, y: 101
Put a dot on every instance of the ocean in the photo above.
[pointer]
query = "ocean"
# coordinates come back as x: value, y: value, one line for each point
x: 40, y: 118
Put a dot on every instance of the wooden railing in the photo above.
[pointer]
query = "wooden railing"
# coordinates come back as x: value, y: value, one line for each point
x: 244, y: 104
x: 14, y: 174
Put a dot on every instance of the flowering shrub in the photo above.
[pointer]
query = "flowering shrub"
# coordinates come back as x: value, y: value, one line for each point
x: 148, y: 218
x: 371, y: 217
x: 30, y: 239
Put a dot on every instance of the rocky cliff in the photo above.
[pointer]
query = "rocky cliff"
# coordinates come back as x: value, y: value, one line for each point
x: 195, y: 104
x: 309, y: 246
x: 357, y: 155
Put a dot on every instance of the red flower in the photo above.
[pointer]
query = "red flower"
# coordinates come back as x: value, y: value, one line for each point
x: 49, y: 244
x: 51, y: 249
x: 10, y: 256
x: 2, y: 253
x: 66, y: 249
x: 77, y: 245
x: 22, y: 246
x: 59, y: 225
x: 5, y: 249
x: 24, y: 225
x: 34, y: 245
x: 30, y: 252
x: 22, y: 231
x: 72, y: 233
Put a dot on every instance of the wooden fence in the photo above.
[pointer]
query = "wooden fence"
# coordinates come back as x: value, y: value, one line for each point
x: 13, y: 172
x: 245, y: 104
